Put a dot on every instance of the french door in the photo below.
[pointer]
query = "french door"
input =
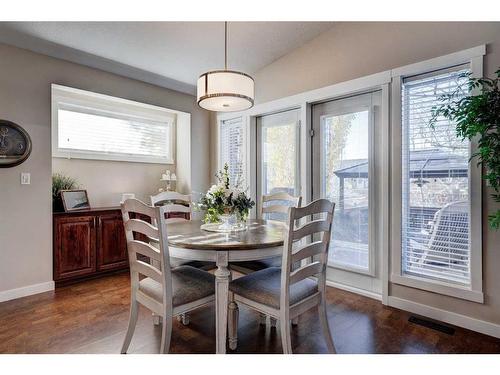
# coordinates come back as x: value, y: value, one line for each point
x: 345, y: 159
x: 278, y: 154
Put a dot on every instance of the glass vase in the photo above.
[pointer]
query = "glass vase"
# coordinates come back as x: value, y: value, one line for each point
x: 228, y: 222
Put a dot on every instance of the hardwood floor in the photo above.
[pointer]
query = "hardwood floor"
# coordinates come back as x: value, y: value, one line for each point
x: 91, y: 317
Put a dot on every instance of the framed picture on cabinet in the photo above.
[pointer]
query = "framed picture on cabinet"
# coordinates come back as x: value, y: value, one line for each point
x: 75, y: 200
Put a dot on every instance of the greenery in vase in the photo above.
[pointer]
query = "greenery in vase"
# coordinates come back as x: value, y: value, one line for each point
x: 477, y: 116
x: 61, y: 182
x: 222, y: 198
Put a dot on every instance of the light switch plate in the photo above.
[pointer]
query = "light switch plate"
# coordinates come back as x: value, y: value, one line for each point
x: 25, y: 178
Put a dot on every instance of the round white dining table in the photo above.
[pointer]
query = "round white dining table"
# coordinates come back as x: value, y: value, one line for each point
x: 262, y: 239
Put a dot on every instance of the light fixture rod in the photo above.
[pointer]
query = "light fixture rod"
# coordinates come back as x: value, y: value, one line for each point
x: 225, y: 90
x: 225, y: 45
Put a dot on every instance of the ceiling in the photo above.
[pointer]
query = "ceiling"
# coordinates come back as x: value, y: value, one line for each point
x: 170, y: 54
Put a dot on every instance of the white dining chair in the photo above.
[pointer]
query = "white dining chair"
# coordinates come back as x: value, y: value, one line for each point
x: 178, y: 208
x: 177, y: 204
x: 287, y: 292
x: 272, y: 204
x: 277, y: 203
x: 166, y: 291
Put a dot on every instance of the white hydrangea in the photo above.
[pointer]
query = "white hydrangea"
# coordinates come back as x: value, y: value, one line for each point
x: 213, y: 189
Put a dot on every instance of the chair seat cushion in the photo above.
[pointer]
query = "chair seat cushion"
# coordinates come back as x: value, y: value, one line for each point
x: 207, y: 266
x: 257, y: 265
x: 265, y: 287
x: 188, y: 284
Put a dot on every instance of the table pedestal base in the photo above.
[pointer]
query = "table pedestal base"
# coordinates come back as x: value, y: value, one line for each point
x: 222, y: 279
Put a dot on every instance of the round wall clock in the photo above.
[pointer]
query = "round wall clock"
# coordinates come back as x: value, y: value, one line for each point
x: 15, y: 144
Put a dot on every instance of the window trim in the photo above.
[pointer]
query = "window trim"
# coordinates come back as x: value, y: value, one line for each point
x: 474, y: 57
x: 62, y: 96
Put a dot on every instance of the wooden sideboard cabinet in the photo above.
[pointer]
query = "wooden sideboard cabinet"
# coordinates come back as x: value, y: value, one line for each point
x: 88, y: 243
x: 111, y: 242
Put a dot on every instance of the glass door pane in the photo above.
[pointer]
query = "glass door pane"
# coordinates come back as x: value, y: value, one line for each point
x: 278, y: 149
x: 342, y: 164
x: 344, y: 180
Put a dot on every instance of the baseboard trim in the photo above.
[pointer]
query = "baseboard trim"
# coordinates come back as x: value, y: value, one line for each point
x: 25, y: 291
x: 481, y: 326
x: 355, y: 290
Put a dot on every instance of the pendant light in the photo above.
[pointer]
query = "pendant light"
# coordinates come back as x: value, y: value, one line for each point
x: 225, y: 90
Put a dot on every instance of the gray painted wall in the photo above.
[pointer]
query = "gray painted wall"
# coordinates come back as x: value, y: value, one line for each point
x: 25, y: 210
x: 106, y: 181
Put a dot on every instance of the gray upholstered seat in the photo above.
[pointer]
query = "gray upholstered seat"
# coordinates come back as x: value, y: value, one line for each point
x: 265, y: 286
x: 257, y: 265
x: 207, y: 266
x: 188, y: 284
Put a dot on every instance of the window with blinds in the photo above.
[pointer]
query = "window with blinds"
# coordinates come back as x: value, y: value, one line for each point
x: 435, y: 170
x: 232, y: 150
x: 93, y: 126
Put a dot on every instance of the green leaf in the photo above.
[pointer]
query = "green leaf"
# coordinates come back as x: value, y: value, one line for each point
x: 477, y: 117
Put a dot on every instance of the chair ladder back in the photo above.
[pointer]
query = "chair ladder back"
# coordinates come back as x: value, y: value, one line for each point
x: 141, y: 226
x: 135, y: 247
x: 307, y: 251
x: 282, y: 201
x: 145, y: 249
x: 293, y: 254
x: 174, y: 202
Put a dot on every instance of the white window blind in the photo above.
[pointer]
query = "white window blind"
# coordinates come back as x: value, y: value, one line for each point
x: 92, y: 126
x: 232, y: 150
x: 435, y: 199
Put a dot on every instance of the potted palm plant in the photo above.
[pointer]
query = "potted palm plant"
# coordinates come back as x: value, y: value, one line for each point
x: 61, y: 182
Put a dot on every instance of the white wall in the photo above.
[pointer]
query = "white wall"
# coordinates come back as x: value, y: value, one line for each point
x: 25, y: 210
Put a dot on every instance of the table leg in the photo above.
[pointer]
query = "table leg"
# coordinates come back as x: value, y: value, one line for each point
x: 222, y: 278
x: 233, y: 322
x: 156, y: 319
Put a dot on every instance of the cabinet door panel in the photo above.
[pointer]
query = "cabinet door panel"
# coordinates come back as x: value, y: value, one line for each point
x: 111, y: 243
x: 74, y: 247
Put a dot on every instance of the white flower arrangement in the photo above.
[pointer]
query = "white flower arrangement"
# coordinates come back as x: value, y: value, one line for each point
x: 222, y: 198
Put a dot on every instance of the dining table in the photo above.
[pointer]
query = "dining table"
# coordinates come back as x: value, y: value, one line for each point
x: 260, y: 239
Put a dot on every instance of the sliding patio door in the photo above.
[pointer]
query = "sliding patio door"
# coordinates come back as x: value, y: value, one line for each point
x: 344, y: 160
